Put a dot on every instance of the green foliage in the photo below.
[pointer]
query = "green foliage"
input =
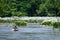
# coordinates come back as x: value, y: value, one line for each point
x: 5, y: 21
x: 40, y: 21
x: 20, y: 23
x: 1, y: 20
x: 29, y: 8
x: 46, y: 23
x: 56, y: 25
x: 32, y: 21
x: 16, y: 22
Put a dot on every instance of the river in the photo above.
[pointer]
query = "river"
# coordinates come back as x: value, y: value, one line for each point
x: 29, y: 33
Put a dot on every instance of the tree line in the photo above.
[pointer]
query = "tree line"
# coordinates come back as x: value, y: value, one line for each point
x: 10, y: 8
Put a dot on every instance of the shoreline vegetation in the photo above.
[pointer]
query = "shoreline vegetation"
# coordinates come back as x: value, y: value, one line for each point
x: 22, y: 21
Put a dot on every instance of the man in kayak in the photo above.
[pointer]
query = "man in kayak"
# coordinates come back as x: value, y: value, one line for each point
x: 14, y: 27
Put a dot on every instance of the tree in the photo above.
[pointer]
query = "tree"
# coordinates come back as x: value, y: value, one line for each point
x: 29, y: 8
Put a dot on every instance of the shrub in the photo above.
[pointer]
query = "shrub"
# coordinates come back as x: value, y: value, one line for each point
x: 5, y: 21
x: 40, y: 21
x: 56, y: 25
x: 46, y: 23
x: 1, y: 20
x: 32, y: 21
x: 20, y: 23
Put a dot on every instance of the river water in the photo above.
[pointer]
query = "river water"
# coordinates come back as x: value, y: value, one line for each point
x: 29, y: 33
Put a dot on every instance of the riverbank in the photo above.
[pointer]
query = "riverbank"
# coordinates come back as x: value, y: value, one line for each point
x: 27, y: 18
x: 22, y: 21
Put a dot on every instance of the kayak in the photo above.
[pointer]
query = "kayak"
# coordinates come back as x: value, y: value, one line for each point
x: 15, y: 29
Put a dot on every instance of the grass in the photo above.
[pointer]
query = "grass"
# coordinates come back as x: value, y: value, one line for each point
x: 20, y: 22
x: 46, y: 23
x: 56, y: 25
x: 5, y: 21
x: 40, y: 21
x: 32, y: 21
x: 17, y: 22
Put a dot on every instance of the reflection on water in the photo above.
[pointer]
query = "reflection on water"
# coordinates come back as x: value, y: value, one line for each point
x: 29, y: 34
